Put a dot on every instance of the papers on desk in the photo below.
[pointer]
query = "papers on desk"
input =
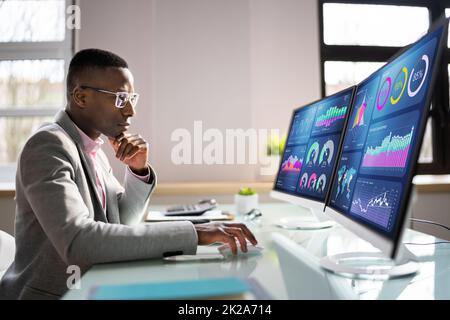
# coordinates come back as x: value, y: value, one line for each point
x: 210, y: 288
x: 212, y: 215
x: 230, y: 287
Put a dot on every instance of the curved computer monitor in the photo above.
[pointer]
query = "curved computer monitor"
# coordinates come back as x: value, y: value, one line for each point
x: 373, y: 180
x: 309, y: 157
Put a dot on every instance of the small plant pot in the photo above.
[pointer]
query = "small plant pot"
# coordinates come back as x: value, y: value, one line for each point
x: 245, y: 203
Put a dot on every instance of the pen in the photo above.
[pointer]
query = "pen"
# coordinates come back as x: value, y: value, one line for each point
x: 200, y: 221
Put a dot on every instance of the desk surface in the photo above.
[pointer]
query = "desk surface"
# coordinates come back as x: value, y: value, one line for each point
x: 290, y: 277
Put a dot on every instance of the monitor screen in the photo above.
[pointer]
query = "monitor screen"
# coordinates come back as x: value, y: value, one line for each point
x: 383, y: 137
x: 312, y: 146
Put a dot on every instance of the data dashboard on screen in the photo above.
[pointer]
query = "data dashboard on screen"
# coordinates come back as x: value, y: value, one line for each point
x: 312, y: 146
x: 382, y: 138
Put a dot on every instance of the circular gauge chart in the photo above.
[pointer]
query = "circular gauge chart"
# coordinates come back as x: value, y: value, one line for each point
x: 326, y: 155
x: 312, y: 181
x: 399, y: 85
x: 418, y: 75
x: 383, y: 94
x: 321, y: 183
x: 313, y: 154
x: 304, y: 181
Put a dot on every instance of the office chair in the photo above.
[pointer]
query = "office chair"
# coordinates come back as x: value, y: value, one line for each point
x: 7, y: 251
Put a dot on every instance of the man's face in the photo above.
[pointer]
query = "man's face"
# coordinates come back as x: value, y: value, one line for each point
x: 100, y: 113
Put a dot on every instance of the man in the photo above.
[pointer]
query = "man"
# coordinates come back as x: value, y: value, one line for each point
x: 70, y: 209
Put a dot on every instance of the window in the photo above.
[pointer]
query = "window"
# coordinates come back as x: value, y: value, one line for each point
x: 35, y: 47
x: 358, y: 36
x: 343, y: 74
x: 366, y: 24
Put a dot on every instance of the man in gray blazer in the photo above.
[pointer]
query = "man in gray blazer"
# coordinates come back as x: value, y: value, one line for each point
x: 71, y: 210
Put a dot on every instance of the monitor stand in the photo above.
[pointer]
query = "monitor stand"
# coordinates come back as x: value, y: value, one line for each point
x: 371, y: 265
x: 375, y: 265
x: 318, y: 220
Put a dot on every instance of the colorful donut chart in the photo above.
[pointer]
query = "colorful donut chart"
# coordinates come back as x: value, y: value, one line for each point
x: 405, y: 72
x: 388, y: 80
x: 412, y: 93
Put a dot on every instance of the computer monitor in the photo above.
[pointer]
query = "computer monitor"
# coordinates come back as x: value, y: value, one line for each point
x: 309, y: 158
x: 372, y: 185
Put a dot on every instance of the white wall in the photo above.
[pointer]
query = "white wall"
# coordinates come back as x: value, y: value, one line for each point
x: 230, y: 63
x: 200, y: 72
x: 123, y: 28
x: 284, y: 60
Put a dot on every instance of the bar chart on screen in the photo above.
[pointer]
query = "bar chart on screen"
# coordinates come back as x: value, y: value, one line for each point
x: 388, y: 145
x: 329, y: 119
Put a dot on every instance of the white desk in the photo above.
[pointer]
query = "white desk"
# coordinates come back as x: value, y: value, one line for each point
x: 287, y: 277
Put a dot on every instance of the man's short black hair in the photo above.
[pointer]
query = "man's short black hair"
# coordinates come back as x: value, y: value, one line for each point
x: 91, y: 58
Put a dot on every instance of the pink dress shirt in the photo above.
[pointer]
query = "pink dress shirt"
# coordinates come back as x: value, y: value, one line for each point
x: 91, y: 147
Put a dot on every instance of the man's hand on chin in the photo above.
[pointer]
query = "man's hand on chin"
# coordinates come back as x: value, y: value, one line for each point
x: 132, y: 150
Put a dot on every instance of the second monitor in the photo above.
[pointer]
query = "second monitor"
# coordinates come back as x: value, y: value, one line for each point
x: 309, y: 158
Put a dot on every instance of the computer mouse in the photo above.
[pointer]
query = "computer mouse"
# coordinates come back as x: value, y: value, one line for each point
x: 252, y: 250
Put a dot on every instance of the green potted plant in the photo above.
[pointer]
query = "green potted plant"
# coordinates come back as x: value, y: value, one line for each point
x: 271, y: 156
x: 275, y: 145
x: 245, y: 200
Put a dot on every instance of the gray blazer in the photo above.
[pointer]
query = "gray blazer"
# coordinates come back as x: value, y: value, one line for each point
x: 60, y: 220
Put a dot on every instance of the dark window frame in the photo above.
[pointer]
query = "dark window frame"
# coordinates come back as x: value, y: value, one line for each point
x: 440, y: 114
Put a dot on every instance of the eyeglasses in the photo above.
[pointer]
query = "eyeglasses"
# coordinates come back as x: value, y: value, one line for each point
x: 121, y: 97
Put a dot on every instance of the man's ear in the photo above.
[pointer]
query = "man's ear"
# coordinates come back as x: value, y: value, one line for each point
x: 79, y: 96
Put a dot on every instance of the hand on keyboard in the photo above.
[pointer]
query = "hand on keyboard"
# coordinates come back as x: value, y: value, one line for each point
x: 252, y: 250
